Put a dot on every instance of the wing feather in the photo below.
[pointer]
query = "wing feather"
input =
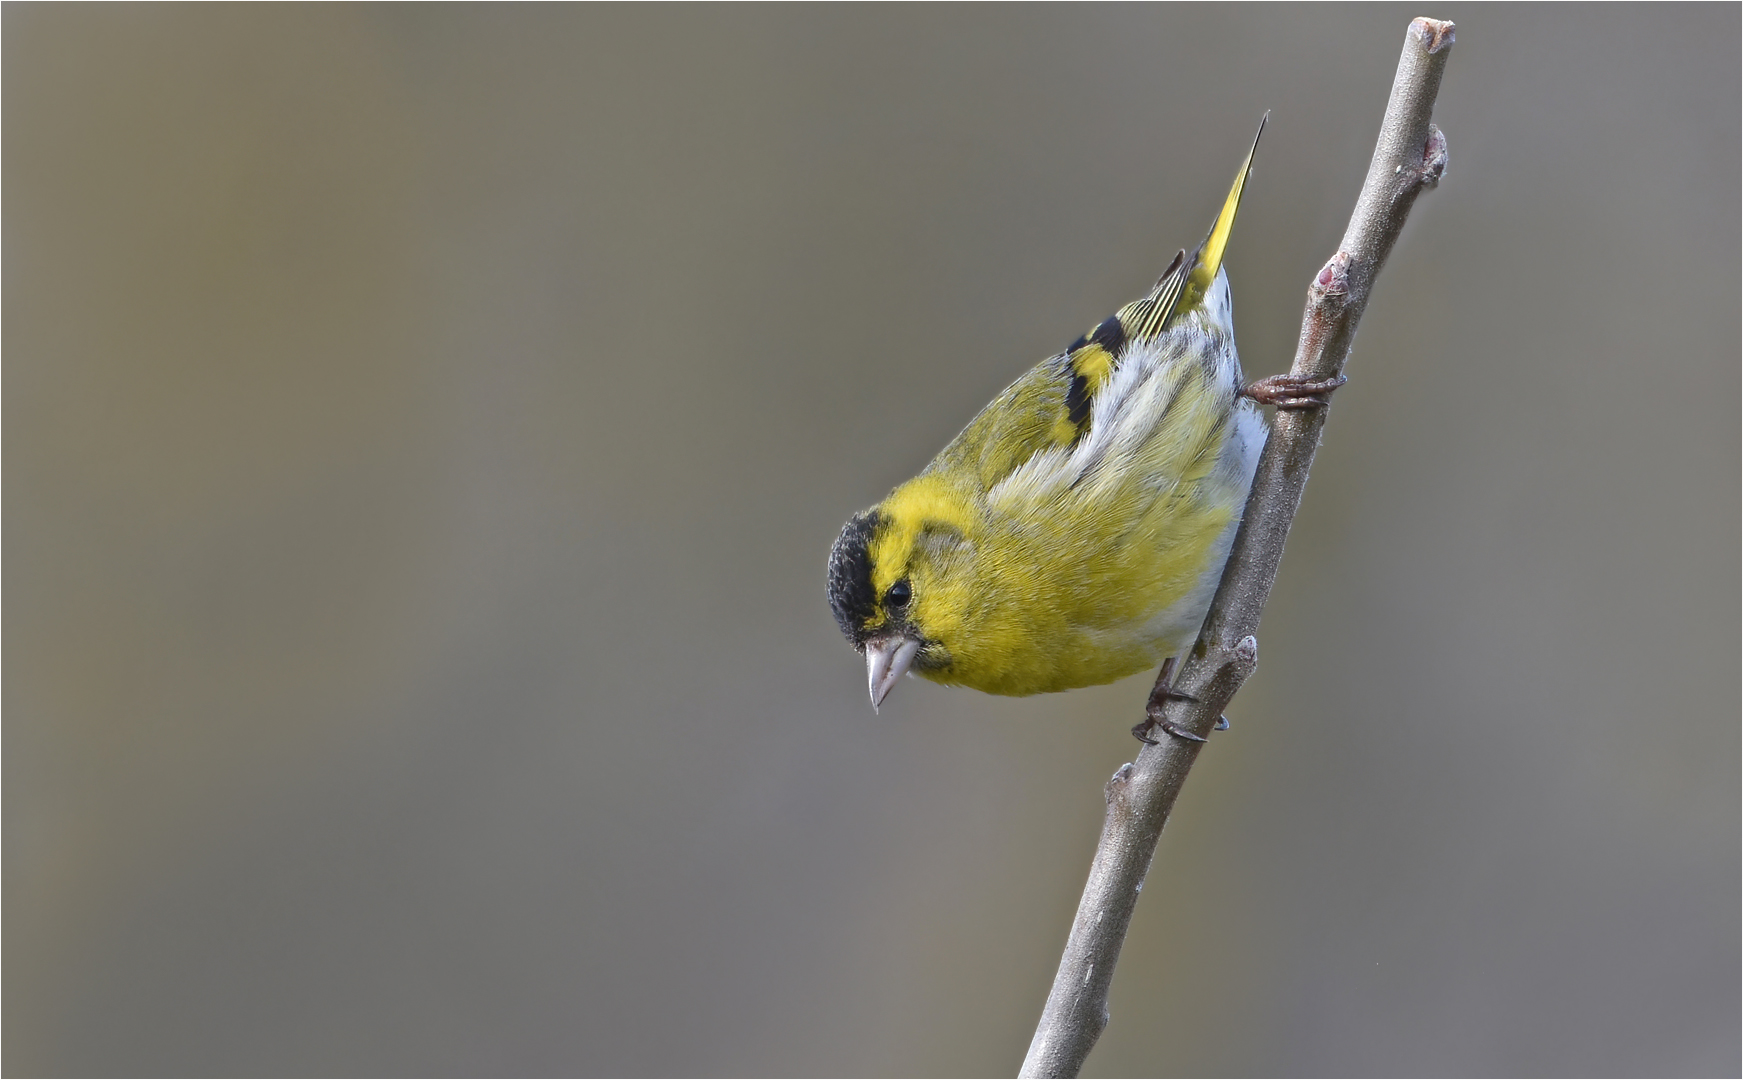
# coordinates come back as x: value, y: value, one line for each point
x: 1053, y: 406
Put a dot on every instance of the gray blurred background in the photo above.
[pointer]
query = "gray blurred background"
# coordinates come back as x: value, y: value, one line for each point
x: 425, y: 427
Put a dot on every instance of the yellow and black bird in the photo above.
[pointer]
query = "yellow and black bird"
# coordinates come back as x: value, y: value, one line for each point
x: 1074, y: 532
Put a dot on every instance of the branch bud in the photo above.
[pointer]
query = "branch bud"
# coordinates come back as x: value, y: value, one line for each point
x: 1333, y: 282
x: 1433, y: 157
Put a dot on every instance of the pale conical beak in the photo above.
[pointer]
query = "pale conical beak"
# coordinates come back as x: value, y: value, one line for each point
x: 885, y: 662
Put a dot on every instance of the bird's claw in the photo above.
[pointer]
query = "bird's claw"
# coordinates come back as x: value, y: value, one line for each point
x: 1292, y: 392
x: 1162, y: 693
x: 1142, y: 731
x: 1179, y: 732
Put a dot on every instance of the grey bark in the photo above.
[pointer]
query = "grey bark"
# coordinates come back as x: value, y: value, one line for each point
x: 1409, y: 156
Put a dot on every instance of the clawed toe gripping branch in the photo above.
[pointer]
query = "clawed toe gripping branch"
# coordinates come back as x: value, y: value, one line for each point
x: 1189, y: 698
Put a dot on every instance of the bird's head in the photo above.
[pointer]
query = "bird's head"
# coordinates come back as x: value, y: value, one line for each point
x: 900, y: 582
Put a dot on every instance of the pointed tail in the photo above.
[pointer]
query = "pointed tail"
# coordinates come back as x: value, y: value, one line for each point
x: 1184, y: 284
x: 1209, y: 258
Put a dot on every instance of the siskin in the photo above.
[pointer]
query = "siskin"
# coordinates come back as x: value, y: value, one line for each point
x: 1074, y: 533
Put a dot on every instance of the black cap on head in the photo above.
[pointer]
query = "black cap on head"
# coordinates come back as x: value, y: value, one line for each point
x: 850, y: 585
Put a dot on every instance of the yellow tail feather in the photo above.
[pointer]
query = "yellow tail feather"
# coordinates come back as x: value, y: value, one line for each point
x: 1209, y: 258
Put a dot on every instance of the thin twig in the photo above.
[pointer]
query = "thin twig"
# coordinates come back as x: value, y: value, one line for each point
x: 1410, y: 156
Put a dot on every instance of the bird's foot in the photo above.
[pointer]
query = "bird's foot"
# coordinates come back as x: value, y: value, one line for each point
x: 1160, y: 695
x: 1292, y: 392
x: 1143, y: 731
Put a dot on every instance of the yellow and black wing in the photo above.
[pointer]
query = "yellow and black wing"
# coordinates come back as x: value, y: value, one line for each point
x: 1051, y: 406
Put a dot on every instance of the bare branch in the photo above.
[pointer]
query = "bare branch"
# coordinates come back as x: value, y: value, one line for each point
x: 1410, y: 156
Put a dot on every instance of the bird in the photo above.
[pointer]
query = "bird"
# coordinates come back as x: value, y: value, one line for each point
x: 1075, y: 531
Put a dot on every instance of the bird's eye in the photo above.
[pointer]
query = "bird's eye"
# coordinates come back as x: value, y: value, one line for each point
x: 898, y: 594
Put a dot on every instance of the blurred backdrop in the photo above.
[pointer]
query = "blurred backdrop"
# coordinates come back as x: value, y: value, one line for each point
x: 425, y: 428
